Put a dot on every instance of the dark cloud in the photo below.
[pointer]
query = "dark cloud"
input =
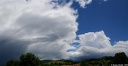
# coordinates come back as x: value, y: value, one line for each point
x: 11, y: 48
x: 37, y: 27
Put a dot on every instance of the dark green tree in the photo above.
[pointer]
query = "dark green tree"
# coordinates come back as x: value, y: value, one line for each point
x: 84, y: 63
x: 29, y: 59
x: 12, y: 63
x: 120, y: 58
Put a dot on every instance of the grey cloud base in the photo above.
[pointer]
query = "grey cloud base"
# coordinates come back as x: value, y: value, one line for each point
x: 11, y: 48
x: 48, y: 32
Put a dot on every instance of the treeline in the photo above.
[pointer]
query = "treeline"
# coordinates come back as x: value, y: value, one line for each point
x: 27, y: 59
x: 30, y: 59
x: 119, y: 58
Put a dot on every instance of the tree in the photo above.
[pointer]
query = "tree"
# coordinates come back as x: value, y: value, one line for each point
x: 120, y: 58
x: 29, y: 59
x: 12, y: 63
x: 84, y: 63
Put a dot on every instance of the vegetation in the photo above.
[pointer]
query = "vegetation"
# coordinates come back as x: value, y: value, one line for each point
x: 30, y: 59
x: 27, y: 59
x: 12, y: 63
x: 120, y: 58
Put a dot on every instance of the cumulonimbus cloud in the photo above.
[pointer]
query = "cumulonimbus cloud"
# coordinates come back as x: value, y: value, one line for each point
x: 42, y: 27
x: 47, y: 29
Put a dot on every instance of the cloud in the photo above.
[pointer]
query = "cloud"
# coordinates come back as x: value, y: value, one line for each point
x: 105, y: 0
x: 37, y: 27
x: 11, y: 48
x: 83, y: 3
x: 48, y: 29
x: 95, y: 45
x: 95, y: 39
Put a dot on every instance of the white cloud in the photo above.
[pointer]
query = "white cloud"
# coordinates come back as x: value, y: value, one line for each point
x: 45, y: 31
x: 83, y: 3
x: 97, y: 44
x: 95, y: 39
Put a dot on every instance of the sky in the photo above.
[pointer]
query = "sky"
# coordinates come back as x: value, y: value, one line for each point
x: 110, y: 16
x: 63, y: 29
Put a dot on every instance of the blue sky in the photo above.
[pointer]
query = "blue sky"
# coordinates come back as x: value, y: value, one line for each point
x: 49, y: 29
x: 110, y: 16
